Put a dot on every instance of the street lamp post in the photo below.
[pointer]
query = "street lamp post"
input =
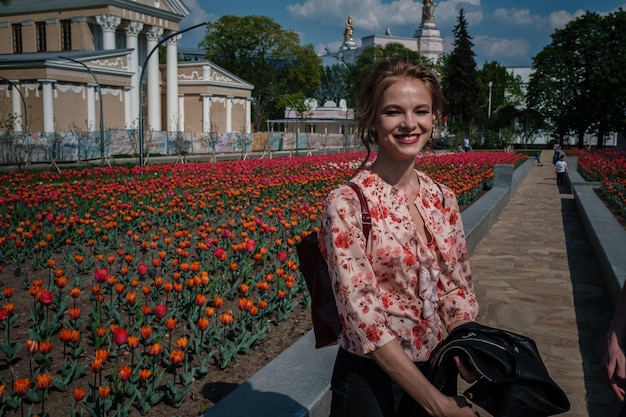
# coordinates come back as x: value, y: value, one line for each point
x: 143, y: 67
x: 489, y: 110
x: 102, y: 156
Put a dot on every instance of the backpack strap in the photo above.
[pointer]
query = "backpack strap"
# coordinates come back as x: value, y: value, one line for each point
x: 365, y: 213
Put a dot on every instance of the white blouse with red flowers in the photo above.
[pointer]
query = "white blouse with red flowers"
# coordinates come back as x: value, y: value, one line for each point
x: 396, y: 285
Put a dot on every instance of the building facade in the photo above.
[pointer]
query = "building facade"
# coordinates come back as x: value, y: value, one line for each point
x: 92, y: 65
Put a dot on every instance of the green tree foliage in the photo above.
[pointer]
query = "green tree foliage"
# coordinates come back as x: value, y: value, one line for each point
x: 334, y: 84
x: 508, y: 104
x: 264, y: 54
x: 460, y: 80
x: 370, y: 57
x: 5, y: 2
x: 578, y: 79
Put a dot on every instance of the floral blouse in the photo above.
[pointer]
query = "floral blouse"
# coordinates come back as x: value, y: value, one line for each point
x: 396, y: 285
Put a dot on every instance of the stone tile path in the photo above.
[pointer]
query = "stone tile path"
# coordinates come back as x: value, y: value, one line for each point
x: 535, y: 274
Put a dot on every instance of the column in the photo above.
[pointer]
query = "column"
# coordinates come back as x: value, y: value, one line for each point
x: 91, y: 107
x: 48, y: 105
x: 128, y: 108
x: 180, y: 126
x: 132, y: 42
x: 17, y: 106
x: 248, y: 116
x: 173, y: 115
x: 206, y: 112
x: 109, y: 24
x: 154, y: 92
x: 229, y: 114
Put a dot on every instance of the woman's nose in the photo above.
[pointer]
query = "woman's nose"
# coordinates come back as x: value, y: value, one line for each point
x: 409, y: 121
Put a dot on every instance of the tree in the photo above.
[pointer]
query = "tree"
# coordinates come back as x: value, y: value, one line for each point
x: 334, y: 83
x: 460, y: 81
x: 578, y: 79
x: 507, y: 102
x: 261, y: 52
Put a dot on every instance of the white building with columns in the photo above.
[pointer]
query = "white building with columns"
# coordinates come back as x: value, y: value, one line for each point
x: 58, y: 59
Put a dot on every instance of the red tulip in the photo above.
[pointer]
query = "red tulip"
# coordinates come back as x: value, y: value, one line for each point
x: 120, y: 335
x: 142, y: 268
x: 45, y: 297
x: 160, y: 311
x: 100, y: 275
x: 3, y: 314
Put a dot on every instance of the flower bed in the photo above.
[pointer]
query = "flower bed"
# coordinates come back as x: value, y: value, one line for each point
x: 608, y: 166
x: 123, y: 286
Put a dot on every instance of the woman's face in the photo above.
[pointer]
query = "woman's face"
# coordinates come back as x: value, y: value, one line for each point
x: 404, y: 118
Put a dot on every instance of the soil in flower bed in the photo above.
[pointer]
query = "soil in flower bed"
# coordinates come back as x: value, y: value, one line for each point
x: 205, y: 392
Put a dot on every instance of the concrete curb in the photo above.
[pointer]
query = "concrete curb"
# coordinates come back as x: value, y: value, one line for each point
x: 606, y: 236
x: 297, y: 382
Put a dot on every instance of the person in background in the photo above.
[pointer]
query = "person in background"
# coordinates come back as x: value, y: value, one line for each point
x: 614, y: 360
x: 561, y: 169
x: 466, y: 145
x: 538, y: 158
x: 399, y: 291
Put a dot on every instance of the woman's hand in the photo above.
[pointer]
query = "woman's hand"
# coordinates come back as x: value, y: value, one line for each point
x: 467, y: 371
x: 614, y: 366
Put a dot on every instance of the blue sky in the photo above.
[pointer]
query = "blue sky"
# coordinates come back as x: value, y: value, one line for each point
x: 508, y: 31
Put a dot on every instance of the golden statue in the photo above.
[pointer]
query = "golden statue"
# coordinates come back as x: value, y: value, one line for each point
x: 347, y: 34
x: 428, y: 11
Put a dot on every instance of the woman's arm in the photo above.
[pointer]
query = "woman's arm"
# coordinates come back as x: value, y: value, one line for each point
x: 394, y: 361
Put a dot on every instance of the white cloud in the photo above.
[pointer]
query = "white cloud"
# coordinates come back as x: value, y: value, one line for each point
x: 197, y: 15
x: 517, y: 17
x: 497, y: 48
x: 558, y: 19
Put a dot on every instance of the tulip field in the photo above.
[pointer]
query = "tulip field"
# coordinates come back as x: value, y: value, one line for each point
x: 608, y: 166
x: 123, y: 287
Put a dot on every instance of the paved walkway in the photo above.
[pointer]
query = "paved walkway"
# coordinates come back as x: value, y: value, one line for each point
x: 535, y: 274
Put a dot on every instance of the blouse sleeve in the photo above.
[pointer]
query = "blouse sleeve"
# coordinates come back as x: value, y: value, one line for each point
x: 457, y: 298
x: 342, y: 243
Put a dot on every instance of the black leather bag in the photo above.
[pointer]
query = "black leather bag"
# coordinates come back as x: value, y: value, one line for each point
x: 515, y: 381
x: 324, y: 315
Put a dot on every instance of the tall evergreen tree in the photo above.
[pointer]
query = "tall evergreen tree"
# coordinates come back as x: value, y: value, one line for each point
x: 460, y: 80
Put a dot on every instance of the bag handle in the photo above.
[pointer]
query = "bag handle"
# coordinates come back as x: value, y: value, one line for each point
x: 366, y: 219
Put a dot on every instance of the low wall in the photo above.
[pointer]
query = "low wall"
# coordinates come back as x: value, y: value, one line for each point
x: 297, y: 382
x: 606, y: 236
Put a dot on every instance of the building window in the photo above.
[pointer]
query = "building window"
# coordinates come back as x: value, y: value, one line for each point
x: 17, y: 38
x: 66, y: 35
x: 41, y: 36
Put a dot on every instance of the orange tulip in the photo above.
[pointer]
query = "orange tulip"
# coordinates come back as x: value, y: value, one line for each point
x: 132, y: 342
x: 74, y: 313
x: 96, y: 366
x: 226, y: 319
x: 144, y: 374
x: 21, y: 386
x: 203, y: 323
x: 32, y: 346
x: 65, y: 335
x: 177, y: 357
x: 104, y: 391
x: 45, y: 347
x: 125, y: 373
x: 182, y: 343
x: 146, y: 332
x: 170, y: 323
x: 155, y: 349
x: 79, y: 394
x: 43, y: 381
